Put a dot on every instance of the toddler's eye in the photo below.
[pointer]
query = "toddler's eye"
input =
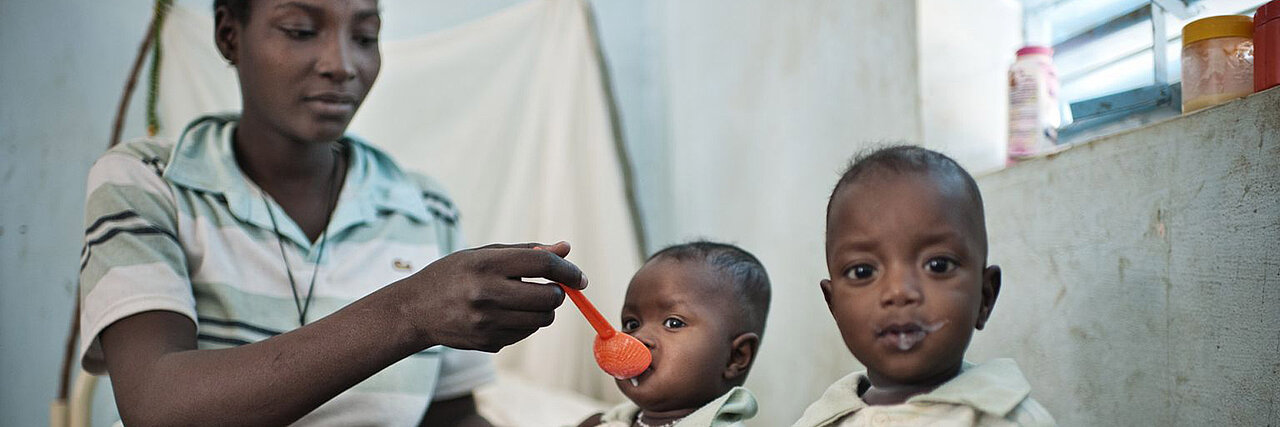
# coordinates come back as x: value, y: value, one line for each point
x: 673, y: 323
x: 860, y: 272
x: 630, y: 325
x: 940, y: 265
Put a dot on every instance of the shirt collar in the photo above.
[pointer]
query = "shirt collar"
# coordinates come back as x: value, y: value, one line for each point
x: 203, y: 160
x: 731, y: 408
x: 839, y: 400
x: 994, y: 387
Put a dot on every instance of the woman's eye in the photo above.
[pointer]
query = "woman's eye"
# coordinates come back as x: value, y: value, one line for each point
x: 366, y: 40
x: 939, y: 265
x: 673, y: 323
x: 298, y: 33
x: 630, y: 325
x: 860, y: 272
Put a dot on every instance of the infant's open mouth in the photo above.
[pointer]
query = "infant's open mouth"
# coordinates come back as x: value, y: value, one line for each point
x: 906, y: 335
x: 635, y: 381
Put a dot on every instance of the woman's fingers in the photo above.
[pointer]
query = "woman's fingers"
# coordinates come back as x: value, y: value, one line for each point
x: 537, y: 263
x: 560, y: 248
x: 520, y: 320
x: 527, y: 296
x: 476, y: 299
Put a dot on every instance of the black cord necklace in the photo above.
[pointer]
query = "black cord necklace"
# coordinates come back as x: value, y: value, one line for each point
x: 324, y: 234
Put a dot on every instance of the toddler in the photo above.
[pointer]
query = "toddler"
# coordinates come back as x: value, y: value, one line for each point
x: 909, y: 283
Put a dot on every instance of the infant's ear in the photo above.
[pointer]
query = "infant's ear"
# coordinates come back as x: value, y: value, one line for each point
x: 990, y: 290
x: 825, y: 284
x: 741, y: 355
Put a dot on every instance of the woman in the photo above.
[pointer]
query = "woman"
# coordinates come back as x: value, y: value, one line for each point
x: 261, y: 269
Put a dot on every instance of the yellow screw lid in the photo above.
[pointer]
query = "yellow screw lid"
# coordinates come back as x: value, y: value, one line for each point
x: 1217, y: 26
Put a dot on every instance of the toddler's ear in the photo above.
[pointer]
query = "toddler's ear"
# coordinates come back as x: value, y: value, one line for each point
x: 741, y: 355
x: 990, y: 290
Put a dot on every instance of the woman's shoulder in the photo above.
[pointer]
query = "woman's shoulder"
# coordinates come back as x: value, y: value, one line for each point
x: 153, y: 150
x: 435, y: 197
x: 143, y: 158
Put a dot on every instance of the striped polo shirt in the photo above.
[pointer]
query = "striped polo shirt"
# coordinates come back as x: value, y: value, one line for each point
x: 178, y: 227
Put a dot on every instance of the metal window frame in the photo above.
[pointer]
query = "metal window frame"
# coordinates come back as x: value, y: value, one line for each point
x: 1160, y: 98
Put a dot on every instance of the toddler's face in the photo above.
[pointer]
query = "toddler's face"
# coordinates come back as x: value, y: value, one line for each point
x: 674, y: 308
x: 908, y: 282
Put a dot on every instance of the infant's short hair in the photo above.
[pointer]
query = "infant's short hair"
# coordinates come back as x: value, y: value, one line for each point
x: 750, y: 280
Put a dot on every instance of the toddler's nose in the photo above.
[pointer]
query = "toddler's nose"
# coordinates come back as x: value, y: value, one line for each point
x: 900, y: 290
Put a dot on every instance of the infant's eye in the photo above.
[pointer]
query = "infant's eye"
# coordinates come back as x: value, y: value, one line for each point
x: 860, y: 272
x: 940, y: 265
x: 673, y: 323
x: 630, y: 325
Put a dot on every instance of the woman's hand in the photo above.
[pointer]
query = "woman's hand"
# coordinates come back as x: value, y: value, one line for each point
x: 475, y: 299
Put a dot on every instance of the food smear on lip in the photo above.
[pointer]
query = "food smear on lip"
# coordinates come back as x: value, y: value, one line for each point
x: 910, y: 334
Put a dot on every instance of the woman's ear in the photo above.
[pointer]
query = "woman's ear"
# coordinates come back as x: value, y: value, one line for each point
x: 226, y: 34
x: 741, y: 354
x: 990, y: 290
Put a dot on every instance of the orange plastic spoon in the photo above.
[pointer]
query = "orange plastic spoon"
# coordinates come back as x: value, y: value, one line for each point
x: 620, y: 355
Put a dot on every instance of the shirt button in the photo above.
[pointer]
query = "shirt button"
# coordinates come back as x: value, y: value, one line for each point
x: 880, y: 419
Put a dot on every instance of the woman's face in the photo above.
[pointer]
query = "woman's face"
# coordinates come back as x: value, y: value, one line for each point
x: 305, y: 66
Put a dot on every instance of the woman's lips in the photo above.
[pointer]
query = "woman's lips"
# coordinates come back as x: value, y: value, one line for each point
x: 332, y: 104
x: 905, y: 335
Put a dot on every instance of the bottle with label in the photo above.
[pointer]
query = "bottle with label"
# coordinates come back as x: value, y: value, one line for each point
x: 1034, y: 117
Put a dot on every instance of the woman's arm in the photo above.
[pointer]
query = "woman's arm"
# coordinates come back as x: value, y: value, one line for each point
x: 469, y: 300
x: 160, y: 378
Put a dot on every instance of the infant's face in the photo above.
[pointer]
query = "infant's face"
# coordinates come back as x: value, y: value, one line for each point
x: 907, y: 275
x: 674, y: 308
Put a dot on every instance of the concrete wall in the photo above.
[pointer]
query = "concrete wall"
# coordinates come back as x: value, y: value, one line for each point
x: 1141, y: 272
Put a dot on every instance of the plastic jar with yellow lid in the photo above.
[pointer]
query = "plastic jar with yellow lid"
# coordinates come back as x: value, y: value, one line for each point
x: 1217, y: 61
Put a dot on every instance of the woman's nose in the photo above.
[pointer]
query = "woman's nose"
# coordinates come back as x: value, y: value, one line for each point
x: 336, y: 62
